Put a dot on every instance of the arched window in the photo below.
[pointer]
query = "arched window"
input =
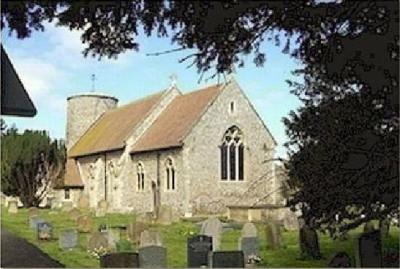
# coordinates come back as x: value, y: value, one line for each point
x: 140, y: 177
x: 170, y: 173
x: 232, y: 155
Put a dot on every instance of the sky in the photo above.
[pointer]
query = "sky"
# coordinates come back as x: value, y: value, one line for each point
x: 52, y: 67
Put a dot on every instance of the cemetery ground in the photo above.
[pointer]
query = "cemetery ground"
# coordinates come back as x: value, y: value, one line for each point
x: 175, y: 240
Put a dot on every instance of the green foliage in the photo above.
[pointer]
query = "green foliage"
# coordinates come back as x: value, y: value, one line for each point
x: 124, y: 245
x: 31, y: 162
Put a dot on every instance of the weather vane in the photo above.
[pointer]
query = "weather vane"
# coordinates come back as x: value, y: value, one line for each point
x: 93, y: 82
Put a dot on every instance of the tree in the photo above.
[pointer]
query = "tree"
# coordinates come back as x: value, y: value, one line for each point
x: 349, y: 52
x: 31, y: 164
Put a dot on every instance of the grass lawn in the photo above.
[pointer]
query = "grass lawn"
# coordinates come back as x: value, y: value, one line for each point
x: 175, y: 237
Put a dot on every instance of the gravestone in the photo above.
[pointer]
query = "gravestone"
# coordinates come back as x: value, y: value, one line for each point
x: 34, y: 221
x: 165, y: 215
x: 84, y: 224
x: 250, y: 247
x: 368, y: 250
x: 120, y: 260
x: 113, y: 237
x: 290, y: 221
x: 309, y: 245
x: 384, y: 226
x: 66, y: 206
x: 249, y: 230
x: 44, y: 231
x: 68, y: 239
x: 212, y: 227
x: 150, y: 238
x: 226, y: 259
x: 83, y: 202
x: 198, y: 248
x: 101, y: 209
x: 340, y: 260
x: 97, y: 240
x: 33, y: 211
x: 273, y: 235
x: 74, y: 213
x: 153, y: 257
x: 13, y: 206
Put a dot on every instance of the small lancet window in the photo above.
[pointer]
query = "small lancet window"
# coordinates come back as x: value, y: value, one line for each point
x: 232, y: 155
x: 232, y: 107
x: 67, y: 194
x: 140, y: 177
x: 170, y: 173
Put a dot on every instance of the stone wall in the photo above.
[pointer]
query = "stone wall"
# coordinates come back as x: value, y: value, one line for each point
x: 82, y: 111
x: 202, y: 156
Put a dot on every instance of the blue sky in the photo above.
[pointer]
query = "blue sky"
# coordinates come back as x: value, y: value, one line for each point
x: 52, y: 67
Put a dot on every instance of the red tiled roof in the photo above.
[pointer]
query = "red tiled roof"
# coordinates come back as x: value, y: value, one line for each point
x: 174, y: 123
x: 111, y: 130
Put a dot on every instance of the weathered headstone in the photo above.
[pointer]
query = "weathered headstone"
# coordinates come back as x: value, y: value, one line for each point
x: 120, y: 260
x: 74, y: 213
x: 97, y: 240
x: 101, y: 209
x: 340, y: 260
x: 384, y: 226
x: 84, y: 224
x: 212, y: 227
x: 66, y: 206
x: 33, y: 211
x: 83, y: 202
x: 368, y: 250
x: 113, y: 237
x: 250, y: 247
x: 134, y: 231
x: 44, y: 231
x: 150, y: 238
x: 68, y: 239
x: 273, y: 235
x: 290, y: 221
x: 226, y: 259
x: 13, y: 206
x: 165, y: 215
x: 309, y: 245
x: 249, y: 230
x: 34, y: 221
x: 198, y: 248
x: 153, y: 257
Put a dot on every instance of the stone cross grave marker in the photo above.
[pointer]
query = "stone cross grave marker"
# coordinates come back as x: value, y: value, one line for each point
x: 226, y: 259
x: 120, y: 260
x: 68, y: 239
x: 150, y: 238
x: 44, y: 231
x: 84, y: 224
x: 153, y: 257
x: 273, y: 235
x: 309, y: 244
x: 368, y: 250
x: 134, y: 230
x: 212, y: 227
x: 340, y: 260
x: 34, y: 221
x: 198, y: 248
x: 13, y: 207
x: 97, y: 240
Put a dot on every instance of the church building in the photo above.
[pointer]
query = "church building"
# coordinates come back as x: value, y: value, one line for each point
x: 197, y: 152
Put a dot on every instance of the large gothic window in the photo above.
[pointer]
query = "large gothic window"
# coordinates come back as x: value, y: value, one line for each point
x: 232, y: 155
x: 140, y: 177
x: 170, y: 173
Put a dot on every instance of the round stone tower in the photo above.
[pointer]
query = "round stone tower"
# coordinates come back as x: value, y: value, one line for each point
x: 83, y: 110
